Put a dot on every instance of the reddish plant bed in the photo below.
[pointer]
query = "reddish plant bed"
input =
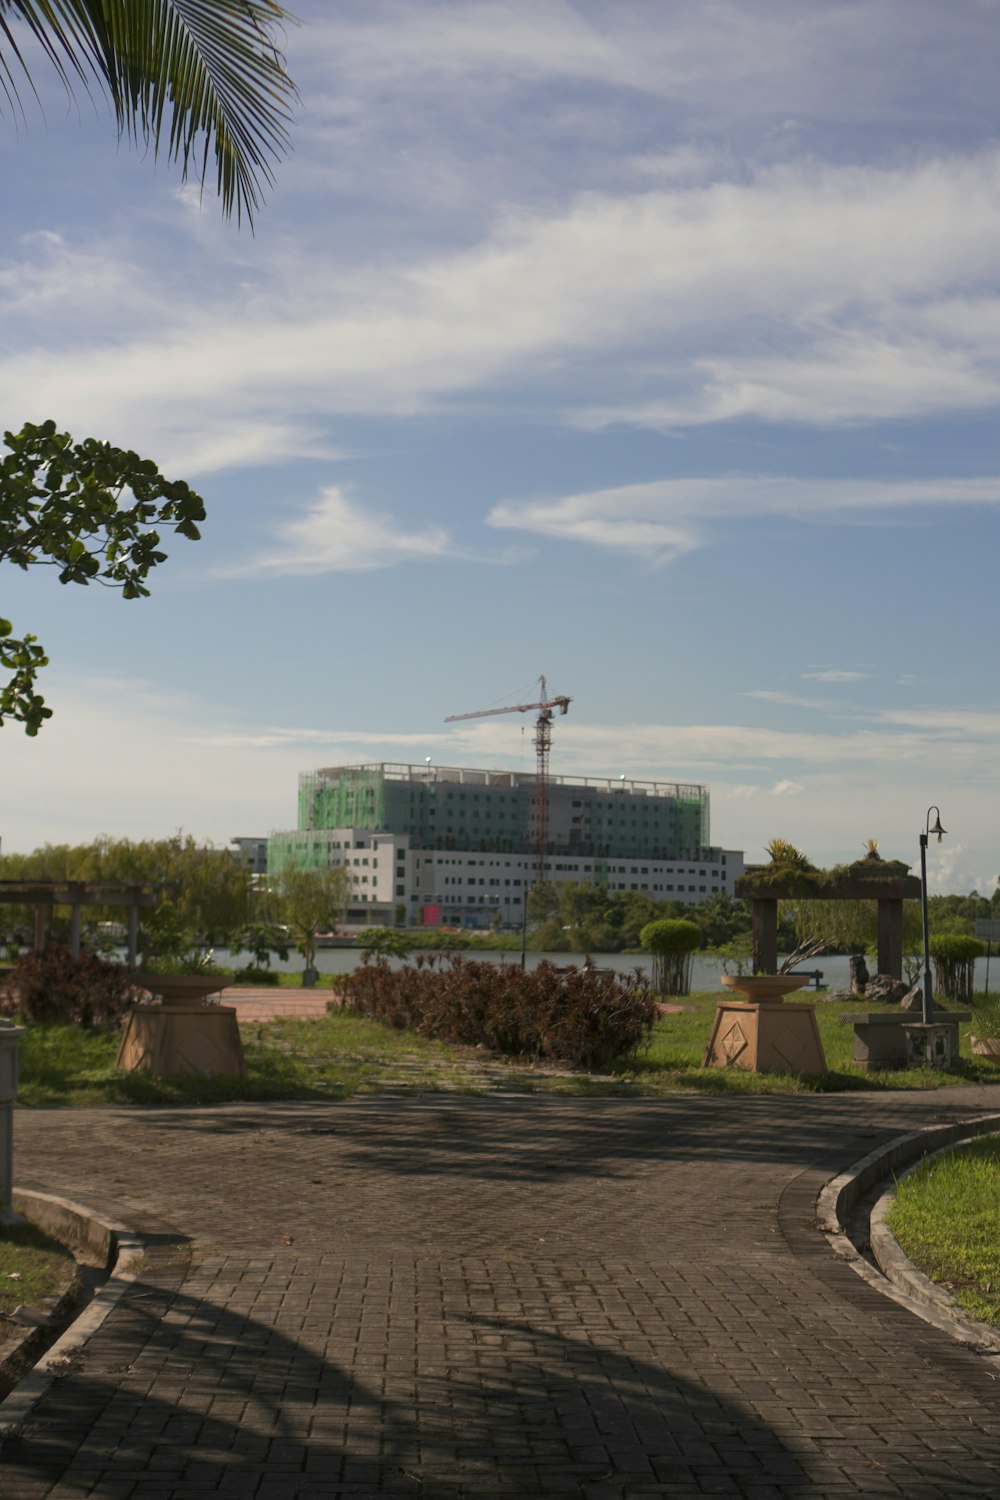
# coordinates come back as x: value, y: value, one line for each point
x: 582, y: 1016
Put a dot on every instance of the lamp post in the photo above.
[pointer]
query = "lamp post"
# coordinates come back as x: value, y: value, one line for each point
x: 928, y: 995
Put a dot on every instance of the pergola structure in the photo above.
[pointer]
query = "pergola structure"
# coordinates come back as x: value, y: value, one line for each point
x: 888, y: 891
x: 43, y: 895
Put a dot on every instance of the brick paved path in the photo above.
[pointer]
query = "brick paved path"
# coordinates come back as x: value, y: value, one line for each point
x: 267, y: 1003
x: 496, y: 1297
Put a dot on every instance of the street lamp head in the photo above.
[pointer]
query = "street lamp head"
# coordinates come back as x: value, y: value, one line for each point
x: 937, y: 823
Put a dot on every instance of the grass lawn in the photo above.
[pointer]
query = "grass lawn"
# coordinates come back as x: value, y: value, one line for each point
x: 343, y: 1055
x: 946, y: 1218
x: 31, y: 1267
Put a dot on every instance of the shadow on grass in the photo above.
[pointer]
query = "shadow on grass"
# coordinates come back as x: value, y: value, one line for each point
x: 330, y: 1059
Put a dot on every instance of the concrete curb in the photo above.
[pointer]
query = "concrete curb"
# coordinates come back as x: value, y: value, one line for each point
x: 114, y: 1246
x: 895, y: 1275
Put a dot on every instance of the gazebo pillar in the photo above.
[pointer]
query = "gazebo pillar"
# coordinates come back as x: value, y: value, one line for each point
x: 74, y: 929
x: 43, y: 912
x: 133, y: 930
x: 890, y: 936
x: 764, y: 917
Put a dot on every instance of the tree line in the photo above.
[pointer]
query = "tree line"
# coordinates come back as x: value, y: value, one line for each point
x: 206, y: 897
x: 584, y: 917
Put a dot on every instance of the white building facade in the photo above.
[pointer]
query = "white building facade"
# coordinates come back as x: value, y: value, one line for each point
x: 456, y: 846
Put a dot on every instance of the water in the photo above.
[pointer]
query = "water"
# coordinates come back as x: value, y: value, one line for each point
x: 705, y: 970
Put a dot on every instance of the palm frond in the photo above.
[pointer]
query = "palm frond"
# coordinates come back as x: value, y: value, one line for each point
x: 192, y: 76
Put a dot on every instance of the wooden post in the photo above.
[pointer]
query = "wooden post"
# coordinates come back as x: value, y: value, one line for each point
x: 133, y: 929
x: 42, y: 914
x: 74, y: 929
x: 890, y: 936
x: 765, y: 934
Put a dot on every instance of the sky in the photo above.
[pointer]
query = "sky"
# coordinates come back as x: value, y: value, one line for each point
x: 651, y: 347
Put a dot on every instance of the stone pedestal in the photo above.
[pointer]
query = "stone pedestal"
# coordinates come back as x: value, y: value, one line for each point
x: 182, y: 1035
x: 765, y: 1036
x: 932, y: 1046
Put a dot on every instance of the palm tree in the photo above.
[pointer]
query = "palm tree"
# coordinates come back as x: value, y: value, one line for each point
x: 213, y: 66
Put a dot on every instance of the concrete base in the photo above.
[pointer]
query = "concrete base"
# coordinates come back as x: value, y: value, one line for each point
x: 931, y: 1046
x: 177, y: 1040
x: 881, y: 1037
x: 765, y: 1036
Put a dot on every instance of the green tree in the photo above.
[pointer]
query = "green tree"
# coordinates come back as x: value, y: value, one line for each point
x: 204, y: 891
x: 384, y: 942
x: 93, y: 512
x: 192, y: 76
x: 310, y: 902
x: 722, y: 919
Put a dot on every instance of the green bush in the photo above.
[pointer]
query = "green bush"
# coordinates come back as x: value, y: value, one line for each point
x: 253, y: 975
x: 582, y: 1016
x: 954, y: 956
x: 56, y: 987
x: 671, y: 940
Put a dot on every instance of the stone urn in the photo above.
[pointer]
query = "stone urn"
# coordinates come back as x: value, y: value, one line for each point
x: 182, y: 1035
x: 182, y: 989
x: 986, y: 1046
x: 764, y: 986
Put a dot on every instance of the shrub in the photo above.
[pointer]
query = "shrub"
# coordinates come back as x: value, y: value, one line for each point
x: 582, y: 1016
x: 253, y: 975
x: 671, y: 941
x: 954, y: 957
x: 54, y: 986
x: 386, y: 940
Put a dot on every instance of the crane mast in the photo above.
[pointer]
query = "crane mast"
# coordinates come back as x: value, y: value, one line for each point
x: 543, y: 744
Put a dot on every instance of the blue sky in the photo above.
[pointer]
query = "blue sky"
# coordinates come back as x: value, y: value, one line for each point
x: 652, y: 347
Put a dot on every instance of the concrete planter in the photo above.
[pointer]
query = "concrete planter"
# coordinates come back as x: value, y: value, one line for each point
x: 764, y: 1033
x: 182, y: 1035
x: 986, y: 1046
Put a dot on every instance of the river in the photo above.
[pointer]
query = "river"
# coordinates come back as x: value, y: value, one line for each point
x: 705, y: 971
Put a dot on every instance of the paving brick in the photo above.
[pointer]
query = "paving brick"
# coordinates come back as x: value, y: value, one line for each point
x: 492, y: 1297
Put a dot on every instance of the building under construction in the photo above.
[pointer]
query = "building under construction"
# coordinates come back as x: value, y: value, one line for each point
x: 461, y: 846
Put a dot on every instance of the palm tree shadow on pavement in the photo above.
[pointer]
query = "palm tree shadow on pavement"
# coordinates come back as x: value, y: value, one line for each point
x: 182, y: 1398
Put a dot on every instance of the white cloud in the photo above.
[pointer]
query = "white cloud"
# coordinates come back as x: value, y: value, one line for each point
x: 812, y: 293
x: 335, y: 535
x: 792, y: 700
x: 834, y: 674
x: 663, y: 519
x: 732, y: 59
x: 112, y: 740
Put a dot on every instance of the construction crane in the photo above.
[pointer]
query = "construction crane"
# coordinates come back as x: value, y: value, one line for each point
x: 543, y: 742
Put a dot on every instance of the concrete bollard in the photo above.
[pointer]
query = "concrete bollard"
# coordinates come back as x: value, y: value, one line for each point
x: 10, y: 1035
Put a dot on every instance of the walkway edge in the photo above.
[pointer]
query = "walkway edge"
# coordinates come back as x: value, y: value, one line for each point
x: 894, y: 1274
x: 115, y: 1246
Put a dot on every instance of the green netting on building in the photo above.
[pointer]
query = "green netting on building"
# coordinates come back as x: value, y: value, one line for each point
x: 446, y: 808
x: 306, y: 849
x: 354, y: 799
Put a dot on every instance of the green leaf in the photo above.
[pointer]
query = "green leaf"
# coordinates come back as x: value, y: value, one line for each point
x: 192, y: 75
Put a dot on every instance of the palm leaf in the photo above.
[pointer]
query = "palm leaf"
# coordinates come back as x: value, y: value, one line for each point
x: 193, y: 76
